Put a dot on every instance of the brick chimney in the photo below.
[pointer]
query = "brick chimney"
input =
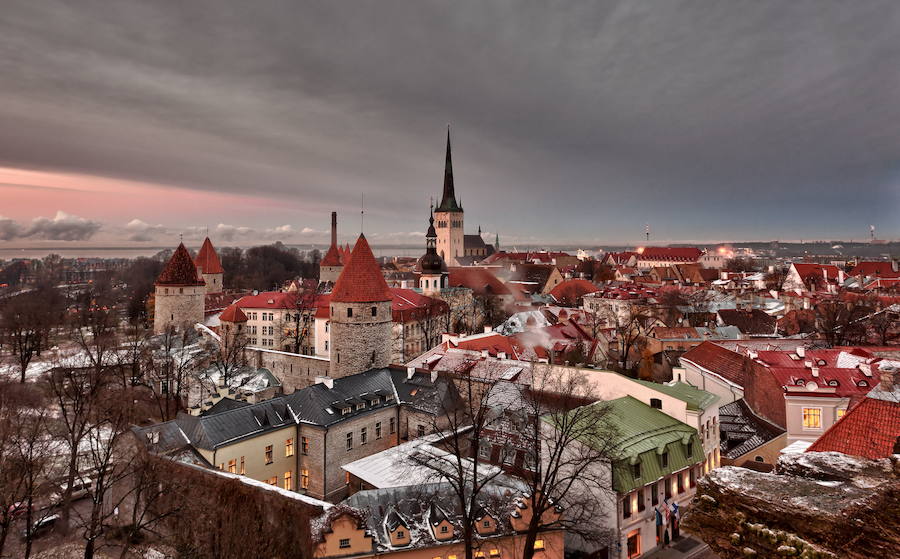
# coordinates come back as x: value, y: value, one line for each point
x: 333, y: 228
x: 890, y: 378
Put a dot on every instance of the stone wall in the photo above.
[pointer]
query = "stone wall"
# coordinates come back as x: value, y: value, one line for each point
x: 215, y: 283
x: 329, y: 273
x: 335, y: 445
x: 359, y: 342
x: 178, y: 306
x: 815, y: 505
x: 295, y: 371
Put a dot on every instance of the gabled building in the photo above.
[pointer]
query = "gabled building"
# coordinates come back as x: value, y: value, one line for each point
x: 809, y: 277
x: 424, y: 521
x: 656, y: 463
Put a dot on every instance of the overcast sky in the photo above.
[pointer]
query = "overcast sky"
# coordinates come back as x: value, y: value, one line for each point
x: 572, y: 122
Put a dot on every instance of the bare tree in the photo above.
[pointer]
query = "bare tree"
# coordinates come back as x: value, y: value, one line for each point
x: 295, y: 330
x: 170, y: 369
x: 569, y: 440
x: 26, y: 453
x: 459, y: 459
x: 842, y: 322
x: 631, y: 329
x: 26, y: 321
x: 230, y: 358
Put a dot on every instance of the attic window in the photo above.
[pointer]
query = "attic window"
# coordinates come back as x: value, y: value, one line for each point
x: 656, y: 403
x: 795, y: 357
x: 388, y: 397
x: 862, y: 383
x: 444, y: 529
x: 376, y: 401
x: 832, y: 383
x: 800, y: 382
x: 345, y: 411
x: 664, y: 459
x: 360, y: 406
x: 820, y: 362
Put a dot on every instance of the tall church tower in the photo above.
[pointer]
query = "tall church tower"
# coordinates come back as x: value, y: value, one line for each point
x: 449, y: 218
x: 431, y: 266
x: 360, y: 316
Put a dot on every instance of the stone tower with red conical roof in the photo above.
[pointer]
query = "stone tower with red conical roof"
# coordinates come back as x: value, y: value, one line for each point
x: 332, y: 263
x: 360, y: 315
x: 209, y: 267
x: 179, y: 294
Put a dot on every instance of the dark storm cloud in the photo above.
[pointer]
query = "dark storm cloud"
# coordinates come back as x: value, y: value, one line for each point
x: 581, y: 121
x: 61, y: 227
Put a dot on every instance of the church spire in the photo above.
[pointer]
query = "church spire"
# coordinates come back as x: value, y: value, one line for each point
x: 448, y: 200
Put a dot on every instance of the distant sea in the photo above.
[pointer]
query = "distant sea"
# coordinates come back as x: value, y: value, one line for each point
x: 134, y: 252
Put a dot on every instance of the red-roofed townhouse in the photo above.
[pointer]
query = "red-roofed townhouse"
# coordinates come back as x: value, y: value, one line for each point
x: 805, y: 276
x: 649, y: 257
x: 571, y: 292
x: 870, y: 429
x: 803, y: 391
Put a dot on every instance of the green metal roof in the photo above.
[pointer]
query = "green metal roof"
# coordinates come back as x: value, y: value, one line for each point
x: 642, y: 435
x: 696, y: 398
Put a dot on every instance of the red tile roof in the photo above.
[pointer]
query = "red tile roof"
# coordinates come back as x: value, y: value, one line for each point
x: 870, y: 429
x: 806, y: 269
x: 180, y: 270
x: 207, y: 260
x: 879, y: 269
x: 830, y: 382
x: 676, y: 333
x: 233, y: 314
x: 716, y: 359
x: 407, y: 304
x: 480, y: 280
x: 269, y: 300
x: 570, y: 291
x: 670, y: 254
x: 332, y: 257
x: 361, y: 280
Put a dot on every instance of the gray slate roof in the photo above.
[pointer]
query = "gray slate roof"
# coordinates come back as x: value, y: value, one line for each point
x: 317, y: 405
x: 741, y: 430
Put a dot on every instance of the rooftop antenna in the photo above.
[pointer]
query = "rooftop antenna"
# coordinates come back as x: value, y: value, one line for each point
x: 362, y: 211
x: 181, y: 237
x: 872, y: 232
x: 647, y: 232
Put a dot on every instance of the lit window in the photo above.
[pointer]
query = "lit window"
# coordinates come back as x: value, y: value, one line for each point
x: 273, y: 480
x: 288, y: 481
x: 304, y: 479
x: 289, y: 447
x: 495, y: 552
x: 243, y: 470
x: 232, y: 466
x: 841, y: 412
x: 812, y: 418
x: 538, y: 545
x: 269, y: 454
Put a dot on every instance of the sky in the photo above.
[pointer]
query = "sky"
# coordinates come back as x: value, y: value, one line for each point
x: 573, y: 122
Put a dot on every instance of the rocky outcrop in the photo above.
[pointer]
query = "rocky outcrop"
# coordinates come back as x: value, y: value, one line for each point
x: 813, y: 506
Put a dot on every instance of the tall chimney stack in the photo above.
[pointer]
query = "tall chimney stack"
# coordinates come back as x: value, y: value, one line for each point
x: 333, y: 229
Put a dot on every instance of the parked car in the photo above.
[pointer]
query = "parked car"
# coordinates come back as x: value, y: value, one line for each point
x: 42, y: 527
x: 80, y: 490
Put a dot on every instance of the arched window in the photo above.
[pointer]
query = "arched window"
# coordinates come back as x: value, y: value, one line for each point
x: 759, y: 459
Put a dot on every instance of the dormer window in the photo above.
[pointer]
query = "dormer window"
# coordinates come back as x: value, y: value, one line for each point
x: 444, y: 529
x: 346, y: 411
x: 360, y: 406
x: 862, y: 383
x: 656, y: 403
x: 401, y: 534
x: 820, y: 362
x: 376, y: 401
x: 832, y: 382
x: 800, y: 382
x: 664, y: 459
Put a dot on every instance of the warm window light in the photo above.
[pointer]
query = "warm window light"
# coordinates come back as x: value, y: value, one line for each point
x: 539, y: 544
